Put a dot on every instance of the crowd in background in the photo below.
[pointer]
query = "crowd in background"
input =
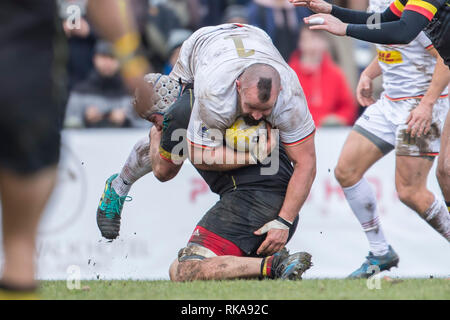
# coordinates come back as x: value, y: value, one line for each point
x: 328, y: 67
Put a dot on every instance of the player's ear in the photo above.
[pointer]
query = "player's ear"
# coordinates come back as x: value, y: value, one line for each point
x: 238, y: 85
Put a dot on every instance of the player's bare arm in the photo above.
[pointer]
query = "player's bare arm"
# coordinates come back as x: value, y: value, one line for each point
x: 303, y: 157
x: 224, y: 158
x: 419, y: 121
x: 331, y: 24
x: 218, y: 159
x: 364, y: 90
x: 163, y: 170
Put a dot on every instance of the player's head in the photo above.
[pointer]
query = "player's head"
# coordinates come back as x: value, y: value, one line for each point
x: 258, y: 89
x: 153, y: 99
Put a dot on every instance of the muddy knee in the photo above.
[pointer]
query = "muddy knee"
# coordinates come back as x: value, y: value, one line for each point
x: 189, y: 264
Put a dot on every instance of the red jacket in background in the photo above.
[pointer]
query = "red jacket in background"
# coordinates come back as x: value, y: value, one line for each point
x: 327, y: 90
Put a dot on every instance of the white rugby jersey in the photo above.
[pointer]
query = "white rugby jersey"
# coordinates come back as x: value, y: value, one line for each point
x: 407, y: 69
x: 213, y: 58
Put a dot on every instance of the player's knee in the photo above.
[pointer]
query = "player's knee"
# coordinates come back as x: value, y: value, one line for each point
x: 443, y: 172
x: 345, y: 175
x: 407, y: 194
x: 173, y: 270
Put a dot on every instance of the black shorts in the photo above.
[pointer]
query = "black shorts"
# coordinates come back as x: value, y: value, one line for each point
x: 238, y: 214
x: 32, y: 84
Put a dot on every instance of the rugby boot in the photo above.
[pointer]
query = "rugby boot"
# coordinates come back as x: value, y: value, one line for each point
x: 376, y: 264
x: 109, y: 211
x: 291, y: 267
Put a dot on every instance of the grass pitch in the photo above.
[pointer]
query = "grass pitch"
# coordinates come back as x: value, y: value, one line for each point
x: 316, y: 289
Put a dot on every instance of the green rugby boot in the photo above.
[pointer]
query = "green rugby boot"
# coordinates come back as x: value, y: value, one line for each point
x: 375, y: 264
x: 109, y: 210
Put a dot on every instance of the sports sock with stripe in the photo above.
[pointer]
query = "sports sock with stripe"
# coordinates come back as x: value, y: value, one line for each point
x: 363, y: 203
x: 138, y: 164
x: 437, y: 217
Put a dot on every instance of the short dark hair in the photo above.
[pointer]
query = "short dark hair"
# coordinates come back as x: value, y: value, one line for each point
x: 264, y: 88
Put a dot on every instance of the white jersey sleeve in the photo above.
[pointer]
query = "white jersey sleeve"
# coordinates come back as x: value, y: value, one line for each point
x: 294, y: 122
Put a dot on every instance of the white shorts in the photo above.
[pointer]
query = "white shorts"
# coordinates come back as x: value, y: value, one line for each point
x: 384, y: 123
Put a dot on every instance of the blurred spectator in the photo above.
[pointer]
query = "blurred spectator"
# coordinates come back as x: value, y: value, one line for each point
x: 211, y: 12
x: 236, y: 14
x: 161, y: 20
x: 330, y: 98
x: 102, y: 99
x: 81, y: 40
x: 355, y: 55
x: 281, y: 20
x: 176, y: 39
x: 140, y: 12
x: 182, y: 9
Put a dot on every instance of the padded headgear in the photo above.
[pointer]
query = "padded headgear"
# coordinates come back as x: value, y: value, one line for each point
x: 166, y: 90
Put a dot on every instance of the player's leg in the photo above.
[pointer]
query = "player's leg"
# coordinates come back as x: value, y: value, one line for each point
x: 217, y: 268
x: 280, y: 265
x: 23, y: 199
x: 109, y: 211
x: 32, y: 101
x: 368, y: 142
x: 224, y: 240
x: 137, y: 165
x: 413, y: 167
x: 443, y: 169
x: 411, y: 182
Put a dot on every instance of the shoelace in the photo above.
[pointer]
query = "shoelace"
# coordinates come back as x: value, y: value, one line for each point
x: 113, y: 206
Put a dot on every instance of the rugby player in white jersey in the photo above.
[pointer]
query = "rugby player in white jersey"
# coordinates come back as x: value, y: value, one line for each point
x: 237, y: 71
x: 408, y: 118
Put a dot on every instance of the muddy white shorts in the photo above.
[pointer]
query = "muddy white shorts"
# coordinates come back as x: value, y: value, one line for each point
x: 384, y: 123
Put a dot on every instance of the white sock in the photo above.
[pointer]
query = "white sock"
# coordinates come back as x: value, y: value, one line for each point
x: 363, y: 202
x: 438, y: 217
x: 138, y: 164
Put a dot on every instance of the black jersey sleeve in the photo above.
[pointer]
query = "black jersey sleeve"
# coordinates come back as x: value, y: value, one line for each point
x: 402, y: 31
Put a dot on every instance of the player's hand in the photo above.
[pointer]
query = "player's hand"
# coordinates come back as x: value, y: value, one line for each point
x: 318, y: 6
x: 277, y: 235
x: 364, y: 91
x: 331, y: 24
x: 419, y: 120
x: 266, y: 144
